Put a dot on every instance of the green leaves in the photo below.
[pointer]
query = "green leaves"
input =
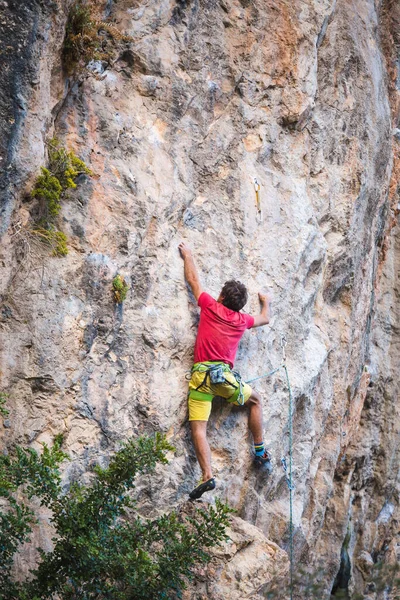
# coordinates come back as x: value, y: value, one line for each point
x: 120, y: 288
x: 54, y: 238
x: 48, y: 187
x: 38, y: 474
x: 63, y: 169
x: 65, y: 166
x: 3, y: 410
x: 31, y: 475
x: 102, y: 549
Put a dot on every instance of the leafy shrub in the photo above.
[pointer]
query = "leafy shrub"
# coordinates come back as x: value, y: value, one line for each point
x: 57, y: 240
x: 36, y: 476
x: 64, y: 165
x: 120, y: 289
x: 63, y: 169
x: 102, y: 548
x: 88, y: 38
x: 48, y: 187
x: 3, y: 410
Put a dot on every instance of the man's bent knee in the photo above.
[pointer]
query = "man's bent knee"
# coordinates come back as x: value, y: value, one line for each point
x: 255, y: 398
x: 199, y: 428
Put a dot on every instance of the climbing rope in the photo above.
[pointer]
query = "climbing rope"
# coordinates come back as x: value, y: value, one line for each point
x: 265, y: 375
x: 289, y: 476
x: 288, y: 469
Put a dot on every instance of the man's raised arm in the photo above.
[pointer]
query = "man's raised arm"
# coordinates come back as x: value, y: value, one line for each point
x: 263, y: 317
x: 191, y: 275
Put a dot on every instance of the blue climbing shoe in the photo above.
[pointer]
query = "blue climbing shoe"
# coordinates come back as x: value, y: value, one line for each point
x: 204, y: 486
x: 264, y: 459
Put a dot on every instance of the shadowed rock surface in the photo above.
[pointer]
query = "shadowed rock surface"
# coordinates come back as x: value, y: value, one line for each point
x: 300, y: 95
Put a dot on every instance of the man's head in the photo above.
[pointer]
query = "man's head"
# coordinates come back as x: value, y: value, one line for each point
x: 233, y: 295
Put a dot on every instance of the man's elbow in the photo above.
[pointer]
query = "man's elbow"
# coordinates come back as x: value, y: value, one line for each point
x: 194, y: 284
x: 259, y: 321
x: 195, y: 288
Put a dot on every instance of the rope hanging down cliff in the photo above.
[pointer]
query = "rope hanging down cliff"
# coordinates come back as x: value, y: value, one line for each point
x: 287, y: 468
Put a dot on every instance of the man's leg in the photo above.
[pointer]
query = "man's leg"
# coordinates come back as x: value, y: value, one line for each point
x: 255, y: 417
x: 252, y: 401
x: 256, y: 427
x: 202, y: 447
x: 199, y: 412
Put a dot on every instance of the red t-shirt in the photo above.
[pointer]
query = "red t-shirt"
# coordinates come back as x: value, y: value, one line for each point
x: 220, y: 331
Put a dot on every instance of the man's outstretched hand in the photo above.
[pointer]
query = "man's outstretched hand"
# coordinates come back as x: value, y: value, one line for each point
x: 264, y: 298
x: 184, y: 250
x: 263, y: 317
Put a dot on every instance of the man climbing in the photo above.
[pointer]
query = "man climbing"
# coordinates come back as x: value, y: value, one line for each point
x: 220, y: 330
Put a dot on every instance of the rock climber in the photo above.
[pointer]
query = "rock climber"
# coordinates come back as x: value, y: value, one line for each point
x: 220, y: 329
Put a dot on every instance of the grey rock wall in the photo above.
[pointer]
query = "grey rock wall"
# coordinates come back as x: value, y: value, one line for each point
x: 209, y: 96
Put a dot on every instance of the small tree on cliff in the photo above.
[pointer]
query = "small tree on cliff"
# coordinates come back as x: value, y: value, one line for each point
x: 102, y: 548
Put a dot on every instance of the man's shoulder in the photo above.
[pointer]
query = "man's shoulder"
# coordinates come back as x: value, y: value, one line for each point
x: 205, y: 300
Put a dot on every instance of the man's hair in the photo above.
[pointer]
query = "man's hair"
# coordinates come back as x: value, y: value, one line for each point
x: 234, y: 295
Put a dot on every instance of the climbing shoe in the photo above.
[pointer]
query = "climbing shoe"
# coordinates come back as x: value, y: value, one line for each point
x: 205, y: 486
x: 264, y: 459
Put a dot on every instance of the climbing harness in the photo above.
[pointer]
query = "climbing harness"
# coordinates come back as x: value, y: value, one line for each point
x: 216, y: 374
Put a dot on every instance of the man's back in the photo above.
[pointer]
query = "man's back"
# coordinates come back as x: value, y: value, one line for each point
x: 220, y: 331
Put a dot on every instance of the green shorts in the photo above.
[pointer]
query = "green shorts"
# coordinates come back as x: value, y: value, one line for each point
x: 202, y: 390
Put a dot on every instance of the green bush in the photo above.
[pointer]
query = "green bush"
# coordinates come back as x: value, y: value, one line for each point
x: 102, y: 548
x: 3, y: 410
x: 49, y: 188
x: 63, y: 169
x: 36, y: 476
x: 57, y: 240
x: 120, y: 288
x: 65, y: 166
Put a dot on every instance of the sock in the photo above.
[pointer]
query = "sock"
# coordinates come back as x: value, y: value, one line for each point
x: 259, y: 449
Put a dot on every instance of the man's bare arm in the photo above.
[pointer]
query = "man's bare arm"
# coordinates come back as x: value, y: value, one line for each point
x: 191, y: 275
x: 263, y: 317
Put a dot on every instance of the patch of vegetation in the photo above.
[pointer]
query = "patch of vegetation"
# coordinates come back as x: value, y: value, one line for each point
x: 3, y: 410
x: 64, y: 165
x: 57, y: 240
x: 120, y: 288
x: 48, y: 187
x: 88, y: 37
x: 63, y: 169
x: 102, y: 548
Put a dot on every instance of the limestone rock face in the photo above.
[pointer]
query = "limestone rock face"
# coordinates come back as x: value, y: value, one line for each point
x: 299, y: 95
x: 241, y: 567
